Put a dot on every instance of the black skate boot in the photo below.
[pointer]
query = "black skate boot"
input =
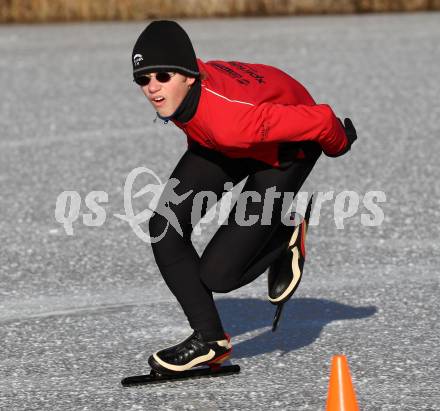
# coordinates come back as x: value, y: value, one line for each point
x: 285, y: 273
x: 192, y: 358
x: 192, y: 352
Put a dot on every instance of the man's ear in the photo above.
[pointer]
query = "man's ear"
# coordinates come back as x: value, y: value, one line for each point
x: 190, y: 81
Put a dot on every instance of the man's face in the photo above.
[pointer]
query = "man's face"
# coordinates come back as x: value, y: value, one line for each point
x: 166, y: 97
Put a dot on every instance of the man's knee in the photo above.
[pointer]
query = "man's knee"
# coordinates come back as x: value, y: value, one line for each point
x: 159, y: 226
x: 217, y: 278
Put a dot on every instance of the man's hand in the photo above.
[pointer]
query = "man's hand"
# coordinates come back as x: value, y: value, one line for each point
x: 350, y: 133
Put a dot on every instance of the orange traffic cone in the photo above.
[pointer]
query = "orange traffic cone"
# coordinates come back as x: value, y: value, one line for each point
x: 341, y: 395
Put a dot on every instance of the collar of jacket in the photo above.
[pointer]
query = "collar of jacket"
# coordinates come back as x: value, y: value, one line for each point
x: 185, y: 112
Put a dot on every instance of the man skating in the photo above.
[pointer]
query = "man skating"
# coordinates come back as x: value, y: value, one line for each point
x: 241, y: 120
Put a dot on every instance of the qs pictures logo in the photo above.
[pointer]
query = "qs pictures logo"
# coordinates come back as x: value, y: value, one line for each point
x: 157, y: 197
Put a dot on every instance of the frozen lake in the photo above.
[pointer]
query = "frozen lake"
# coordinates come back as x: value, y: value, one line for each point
x: 80, y: 312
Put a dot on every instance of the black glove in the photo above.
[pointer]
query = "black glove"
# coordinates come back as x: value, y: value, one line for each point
x: 350, y: 132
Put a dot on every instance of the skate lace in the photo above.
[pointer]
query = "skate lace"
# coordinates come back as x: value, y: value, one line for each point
x: 190, y: 345
x: 194, y: 344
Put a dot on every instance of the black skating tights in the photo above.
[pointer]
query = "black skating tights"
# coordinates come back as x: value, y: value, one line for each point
x: 237, y: 254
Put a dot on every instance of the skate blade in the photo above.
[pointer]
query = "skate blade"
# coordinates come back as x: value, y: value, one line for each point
x: 156, y: 378
x: 277, y: 317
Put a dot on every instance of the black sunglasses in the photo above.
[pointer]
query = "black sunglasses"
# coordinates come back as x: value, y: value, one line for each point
x: 161, y: 77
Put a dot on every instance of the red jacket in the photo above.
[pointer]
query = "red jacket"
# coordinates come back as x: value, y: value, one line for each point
x: 247, y: 110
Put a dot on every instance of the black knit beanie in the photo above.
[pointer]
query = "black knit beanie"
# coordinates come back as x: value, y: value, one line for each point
x: 164, y: 46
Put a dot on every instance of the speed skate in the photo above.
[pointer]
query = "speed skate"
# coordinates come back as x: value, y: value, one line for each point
x: 192, y: 358
x: 200, y: 372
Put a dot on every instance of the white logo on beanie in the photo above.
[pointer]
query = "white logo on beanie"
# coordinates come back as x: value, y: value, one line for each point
x: 137, y: 59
